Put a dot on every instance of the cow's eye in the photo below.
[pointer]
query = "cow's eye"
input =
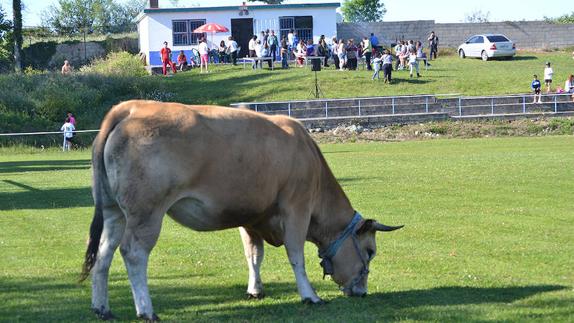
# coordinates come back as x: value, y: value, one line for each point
x: 370, y: 254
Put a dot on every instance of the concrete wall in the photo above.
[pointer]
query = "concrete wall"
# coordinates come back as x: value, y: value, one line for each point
x: 526, y: 34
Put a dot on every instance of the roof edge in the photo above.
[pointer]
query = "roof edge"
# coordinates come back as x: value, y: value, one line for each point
x: 250, y: 7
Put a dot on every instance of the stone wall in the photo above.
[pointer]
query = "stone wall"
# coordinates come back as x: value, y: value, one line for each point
x: 526, y: 34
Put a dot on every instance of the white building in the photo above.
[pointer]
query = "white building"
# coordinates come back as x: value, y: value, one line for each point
x: 176, y: 25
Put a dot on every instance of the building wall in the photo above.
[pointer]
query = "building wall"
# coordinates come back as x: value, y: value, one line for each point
x: 526, y: 34
x: 159, y: 26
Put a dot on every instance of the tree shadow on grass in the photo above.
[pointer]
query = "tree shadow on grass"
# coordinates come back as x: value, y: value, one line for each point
x: 34, y: 198
x: 62, y: 299
x: 44, y: 165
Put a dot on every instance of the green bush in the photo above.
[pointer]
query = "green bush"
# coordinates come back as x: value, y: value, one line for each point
x: 119, y: 63
x: 38, y: 101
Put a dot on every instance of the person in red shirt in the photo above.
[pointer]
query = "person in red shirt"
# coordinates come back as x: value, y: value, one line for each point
x: 166, y: 58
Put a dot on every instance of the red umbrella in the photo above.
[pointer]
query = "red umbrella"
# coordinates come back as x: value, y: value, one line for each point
x: 211, y: 28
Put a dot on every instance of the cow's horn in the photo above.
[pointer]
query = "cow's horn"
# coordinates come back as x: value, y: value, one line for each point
x: 382, y: 227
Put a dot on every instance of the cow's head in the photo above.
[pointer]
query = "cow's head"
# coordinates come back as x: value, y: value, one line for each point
x: 347, y: 258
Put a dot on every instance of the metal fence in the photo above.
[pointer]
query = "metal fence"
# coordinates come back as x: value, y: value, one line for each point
x: 452, y: 104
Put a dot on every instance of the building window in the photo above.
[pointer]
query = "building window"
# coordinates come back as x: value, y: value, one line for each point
x: 183, y: 32
x: 302, y: 24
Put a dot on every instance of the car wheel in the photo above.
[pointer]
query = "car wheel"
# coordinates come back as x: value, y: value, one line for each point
x: 484, y: 56
x: 461, y: 53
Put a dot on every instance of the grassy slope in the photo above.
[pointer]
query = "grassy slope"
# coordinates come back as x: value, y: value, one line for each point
x: 488, y: 236
x: 448, y: 75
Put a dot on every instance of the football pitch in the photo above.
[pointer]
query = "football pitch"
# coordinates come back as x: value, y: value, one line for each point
x: 488, y: 236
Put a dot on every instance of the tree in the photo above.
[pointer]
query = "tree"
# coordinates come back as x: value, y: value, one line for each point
x: 5, y: 41
x: 104, y: 16
x: 564, y: 19
x: 17, y: 10
x: 363, y: 10
x: 477, y: 16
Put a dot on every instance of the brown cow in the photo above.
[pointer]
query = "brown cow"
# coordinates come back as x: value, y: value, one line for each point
x: 213, y: 168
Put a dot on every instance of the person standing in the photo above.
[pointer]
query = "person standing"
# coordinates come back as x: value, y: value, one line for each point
x: 284, y: 54
x: 375, y: 42
x: 535, y: 86
x: 352, y: 52
x: 232, y: 47
x: 323, y: 50
x: 252, y: 44
x: 334, y: 52
x: 387, y: 66
x: 433, y: 45
x: 68, y: 129
x: 367, y: 51
x: 272, y: 41
x: 166, y: 59
x: 342, y: 53
x: 569, y: 86
x: 548, y: 73
x: 203, y: 54
x: 72, y: 119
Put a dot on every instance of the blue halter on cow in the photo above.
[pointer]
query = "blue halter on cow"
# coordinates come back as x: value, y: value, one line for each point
x: 213, y: 168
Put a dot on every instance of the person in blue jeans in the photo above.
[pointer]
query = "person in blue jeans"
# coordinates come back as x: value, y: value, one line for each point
x: 284, y: 54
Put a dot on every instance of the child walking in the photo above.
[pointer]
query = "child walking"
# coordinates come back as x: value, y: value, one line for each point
x: 413, y: 63
x: 68, y: 129
x: 377, y: 66
x: 535, y: 86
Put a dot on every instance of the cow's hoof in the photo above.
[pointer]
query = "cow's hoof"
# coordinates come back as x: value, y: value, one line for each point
x: 255, y: 296
x: 309, y: 301
x: 154, y: 318
x: 103, y: 314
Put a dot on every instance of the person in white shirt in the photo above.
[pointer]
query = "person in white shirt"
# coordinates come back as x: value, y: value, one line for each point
x: 68, y: 129
x: 548, y: 72
x: 252, y: 44
x: 258, y: 53
x: 232, y: 48
x: 413, y: 63
x: 203, y: 54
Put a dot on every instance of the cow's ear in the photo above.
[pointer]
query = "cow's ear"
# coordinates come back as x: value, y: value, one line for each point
x: 368, y: 225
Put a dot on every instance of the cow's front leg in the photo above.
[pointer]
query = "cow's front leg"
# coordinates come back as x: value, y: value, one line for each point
x: 253, y: 247
x: 296, y: 225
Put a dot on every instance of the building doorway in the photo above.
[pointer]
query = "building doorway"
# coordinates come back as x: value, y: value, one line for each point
x: 242, y: 31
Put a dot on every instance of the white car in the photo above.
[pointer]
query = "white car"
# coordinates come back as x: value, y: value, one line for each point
x: 487, y: 46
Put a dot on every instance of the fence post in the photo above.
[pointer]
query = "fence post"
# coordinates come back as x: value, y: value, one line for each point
x: 523, y: 104
x: 393, y: 104
x: 256, y: 108
x: 492, y: 106
x: 555, y: 105
x: 459, y: 106
x: 427, y: 104
x: 326, y: 109
x: 289, y: 108
x: 359, y: 107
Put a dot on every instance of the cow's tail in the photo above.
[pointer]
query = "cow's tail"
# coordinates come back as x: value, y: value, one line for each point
x: 100, y: 183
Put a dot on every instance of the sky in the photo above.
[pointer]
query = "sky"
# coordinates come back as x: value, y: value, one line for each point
x: 442, y: 11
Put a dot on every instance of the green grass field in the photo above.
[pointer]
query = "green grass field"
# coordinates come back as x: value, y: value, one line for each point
x: 447, y: 75
x: 488, y: 237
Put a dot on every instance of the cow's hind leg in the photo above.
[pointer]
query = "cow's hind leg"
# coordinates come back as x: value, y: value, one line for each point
x: 296, y: 224
x: 114, y: 227
x: 253, y: 247
x: 142, y: 232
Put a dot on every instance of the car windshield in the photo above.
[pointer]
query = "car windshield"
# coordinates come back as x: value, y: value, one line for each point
x: 497, y: 38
